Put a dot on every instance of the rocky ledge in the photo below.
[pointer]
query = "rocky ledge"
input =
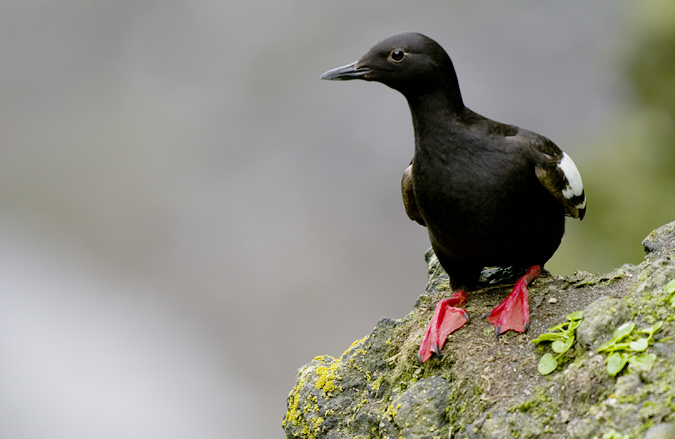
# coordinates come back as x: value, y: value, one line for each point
x: 484, y: 387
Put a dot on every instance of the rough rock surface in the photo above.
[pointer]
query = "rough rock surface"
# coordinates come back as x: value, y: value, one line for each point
x: 483, y: 387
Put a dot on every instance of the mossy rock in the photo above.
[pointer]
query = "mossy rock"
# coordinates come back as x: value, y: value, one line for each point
x: 484, y: 387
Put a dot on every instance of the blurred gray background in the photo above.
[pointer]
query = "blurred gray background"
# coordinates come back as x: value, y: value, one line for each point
x: 188, y: 214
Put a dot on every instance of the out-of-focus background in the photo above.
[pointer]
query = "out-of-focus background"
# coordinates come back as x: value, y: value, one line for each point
x: 188, y: 215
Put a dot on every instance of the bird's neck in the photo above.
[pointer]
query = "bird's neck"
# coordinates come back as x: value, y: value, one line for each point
x: 436, y: 115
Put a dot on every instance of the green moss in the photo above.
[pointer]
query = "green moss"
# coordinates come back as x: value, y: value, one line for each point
x: 375, y: 385
x: 592, y: 279
x: 540, y: 398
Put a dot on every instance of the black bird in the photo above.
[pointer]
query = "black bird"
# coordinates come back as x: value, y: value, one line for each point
x: 490, y: 194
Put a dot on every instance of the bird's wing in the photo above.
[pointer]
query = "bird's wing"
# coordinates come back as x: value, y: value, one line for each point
x: 559, y: 175
x: 409, y: 196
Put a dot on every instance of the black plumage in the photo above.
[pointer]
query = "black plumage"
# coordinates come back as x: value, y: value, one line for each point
x: 490, y: 194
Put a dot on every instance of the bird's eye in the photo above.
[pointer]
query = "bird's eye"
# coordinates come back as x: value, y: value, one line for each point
x: 397, y: 55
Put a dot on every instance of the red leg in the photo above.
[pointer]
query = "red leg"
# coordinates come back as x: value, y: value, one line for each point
x: 514, y: 311
x: 446, y: 320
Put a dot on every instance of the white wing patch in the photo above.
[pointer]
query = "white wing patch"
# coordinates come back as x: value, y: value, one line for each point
x: 574, y: 186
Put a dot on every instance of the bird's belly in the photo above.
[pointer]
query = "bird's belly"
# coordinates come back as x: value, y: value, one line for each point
x: 491, y: 226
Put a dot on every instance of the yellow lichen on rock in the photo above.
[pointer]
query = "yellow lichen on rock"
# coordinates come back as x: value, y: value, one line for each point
x: 326, y: 375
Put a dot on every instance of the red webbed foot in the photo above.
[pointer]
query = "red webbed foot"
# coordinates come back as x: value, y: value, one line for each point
x: 446, y: 320
x: 514, y: 312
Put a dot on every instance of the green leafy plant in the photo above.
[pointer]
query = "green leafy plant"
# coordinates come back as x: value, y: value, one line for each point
x: 627, y: 346
x: 562, y: 338
x: 670, y: 289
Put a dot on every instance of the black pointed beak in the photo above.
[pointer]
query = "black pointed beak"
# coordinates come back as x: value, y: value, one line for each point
x: 344, y: 73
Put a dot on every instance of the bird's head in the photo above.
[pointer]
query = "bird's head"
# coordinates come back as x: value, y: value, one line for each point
x: 408, y: 62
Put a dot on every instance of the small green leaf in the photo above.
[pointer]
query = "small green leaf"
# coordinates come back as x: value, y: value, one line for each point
x: 615, y: 362
x: 560, y: 327
x: 623, y: 330
x: 576, y: 315
x: 559, y: 346
x: 562, y: 346
x: 639, y: 345
x: 670, y: 287
x: 652, y: 329
x: 613, y: 434
x: 547, y: 364
x: 547, y: 337
x: 606, y: 345
x: 574, y: 325
x: 621, y: 346
x: 642, y: 361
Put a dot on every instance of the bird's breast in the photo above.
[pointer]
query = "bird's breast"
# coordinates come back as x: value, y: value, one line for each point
x: 480, y: 201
